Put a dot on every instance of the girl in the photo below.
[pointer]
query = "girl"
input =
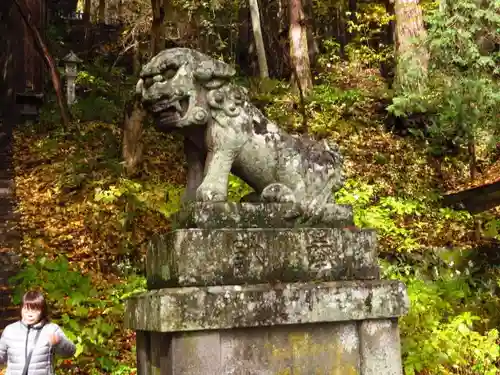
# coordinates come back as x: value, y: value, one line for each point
x: 28, y: 345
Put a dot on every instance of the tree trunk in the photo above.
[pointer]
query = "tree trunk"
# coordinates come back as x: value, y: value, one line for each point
x: 259, y: 41
x: 312, y: 44
x: 244, y: 41
x: 471, y: 148
x: 387, y: 70
x: 87, y: 8
x: 299, y: 53
x: 49, y: 61
x: 157, y: 42
x: 102, y: 11
x: 136, y: 63
x: 86, y: 11
x: 353, y: 8
x: 341, y: 32
x: 411, y: 54
x: 120, y: 10
x: 132, y: 147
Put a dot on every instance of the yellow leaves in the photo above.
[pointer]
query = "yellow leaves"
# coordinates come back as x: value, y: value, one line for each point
x: 73, y: 202
x: 373, y: 155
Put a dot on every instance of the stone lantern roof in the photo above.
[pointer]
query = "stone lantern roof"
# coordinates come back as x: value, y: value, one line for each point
x: 71, y: 57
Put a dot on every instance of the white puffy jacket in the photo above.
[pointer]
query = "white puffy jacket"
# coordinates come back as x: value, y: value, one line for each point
x: 17, y: 341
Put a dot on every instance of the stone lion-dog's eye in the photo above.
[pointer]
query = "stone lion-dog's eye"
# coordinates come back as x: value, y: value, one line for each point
x: 169, y: 73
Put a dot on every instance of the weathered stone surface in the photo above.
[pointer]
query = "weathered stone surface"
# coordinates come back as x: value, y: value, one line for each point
x: 319, y: 349
x: 216, y: 215
x: 197, y: 257
x: 306, y: 349
x: 380, y: 347
x: 221, y: 307
x: 192, y: 93
x: 194, y: 353
x: 143, y: 353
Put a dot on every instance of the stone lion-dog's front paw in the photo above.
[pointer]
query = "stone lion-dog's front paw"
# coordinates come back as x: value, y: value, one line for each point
x: 211, y: 193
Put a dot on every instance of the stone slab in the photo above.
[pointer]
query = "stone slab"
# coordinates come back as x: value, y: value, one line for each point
x: 224, y: 307
x: 199, y: 257
x: 209, y: 215
x: 380, y: 347
x: 329, y: 349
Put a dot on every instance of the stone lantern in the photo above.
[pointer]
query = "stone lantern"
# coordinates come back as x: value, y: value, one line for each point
x: 71, y: 62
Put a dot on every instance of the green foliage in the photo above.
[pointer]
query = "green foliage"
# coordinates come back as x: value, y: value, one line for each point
x: 101, y: 96
x: 328, y: 105
x: 491, y: 224
x: 462, y: 94
x: 90, y: 315
x: 331, y: 54
x: 331, y: 108
x: 461, y: 33
x: 50, y: 116
x: 74, y: 199
x: 369, y: 24
x: 237, y: 188
x: 366, y: 29
x: 439, y: 335
x: 103, y: 93
x: 401, y: 222
x: 94, y: 107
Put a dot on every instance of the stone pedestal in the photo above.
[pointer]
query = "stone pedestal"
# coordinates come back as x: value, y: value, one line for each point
x: 255, y: 299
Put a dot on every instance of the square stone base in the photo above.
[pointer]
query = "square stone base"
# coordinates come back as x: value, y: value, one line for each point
x: 201, y: 257
x: 260, y: 305
x: 369, y: 347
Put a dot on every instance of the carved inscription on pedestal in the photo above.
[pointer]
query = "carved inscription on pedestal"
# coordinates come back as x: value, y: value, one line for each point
x: 259, y: 253
x: 319, y: 251
x: 248, y: 255
x: 240, y: 256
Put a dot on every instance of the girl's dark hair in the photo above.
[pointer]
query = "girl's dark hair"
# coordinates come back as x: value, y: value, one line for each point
x: 34, y: 300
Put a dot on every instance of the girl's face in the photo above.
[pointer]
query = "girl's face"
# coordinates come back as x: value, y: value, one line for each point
x: 30, y: 316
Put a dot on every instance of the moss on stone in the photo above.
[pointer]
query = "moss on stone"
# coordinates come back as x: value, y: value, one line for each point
x: 216, y: 215
x: 200, y: 257
x: 221, y: 307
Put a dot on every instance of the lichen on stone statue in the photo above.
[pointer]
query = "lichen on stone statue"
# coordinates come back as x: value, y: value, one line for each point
x: 190, y: 92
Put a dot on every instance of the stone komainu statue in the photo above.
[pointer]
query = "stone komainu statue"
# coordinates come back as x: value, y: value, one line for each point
x: 190, y: 92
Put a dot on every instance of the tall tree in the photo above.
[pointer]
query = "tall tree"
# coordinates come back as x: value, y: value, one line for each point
x: 136, y: 60
x: 412, y: 56
x: 40, y: 44
x: 132, y: 145
x: 86, y: 11
x: 259, y: 41
x: 159, y: 8
x: 353, y: 8
x: 120, y: 9
x: 101, y: 15
x: 299, y: 51
x: 87, y: 8
x: 299, y: 56
x: 312, y: 44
